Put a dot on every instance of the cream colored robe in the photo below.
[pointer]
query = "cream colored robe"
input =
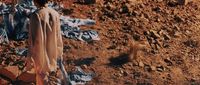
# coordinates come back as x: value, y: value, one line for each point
x: 45, y: 40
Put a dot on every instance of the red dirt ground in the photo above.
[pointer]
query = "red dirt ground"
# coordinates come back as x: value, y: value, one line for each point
x: 170, y: 32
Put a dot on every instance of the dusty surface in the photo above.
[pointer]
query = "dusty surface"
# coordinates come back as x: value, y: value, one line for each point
x: 170, y: 32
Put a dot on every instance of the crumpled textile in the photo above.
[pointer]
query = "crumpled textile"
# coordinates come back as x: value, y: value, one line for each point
x: 70, y: 29
x: 16, y: 24
x: 80, y: 77
x: 5, y: 9
x: 21, y: 51
x: 3, y: 36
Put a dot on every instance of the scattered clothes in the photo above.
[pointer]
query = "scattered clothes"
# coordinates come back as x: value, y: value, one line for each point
x: 70, y: 29
x: 5, y: 9
x: 16, y: 23
x: 75, y: 78
x: 26, y: 2
x: 21, y: 51
x: 55, y: 6
x: 80, y: 77
x: 8, y: 24
x: 3, y: 36
x: 16, y: 20
x: 64, y: 73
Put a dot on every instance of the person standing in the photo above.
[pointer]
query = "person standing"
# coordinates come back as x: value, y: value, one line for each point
x: 45, y: 40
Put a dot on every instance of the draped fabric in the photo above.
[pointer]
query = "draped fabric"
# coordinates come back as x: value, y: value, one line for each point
x: 45, y: 40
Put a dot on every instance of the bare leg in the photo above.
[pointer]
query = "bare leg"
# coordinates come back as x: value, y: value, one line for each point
x: 39, y: 79
x: 64, y: 73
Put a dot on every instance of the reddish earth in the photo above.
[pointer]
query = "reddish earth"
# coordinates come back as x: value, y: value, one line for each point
x: 170, y: 32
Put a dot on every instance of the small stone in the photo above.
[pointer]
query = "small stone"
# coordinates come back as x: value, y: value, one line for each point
x: 147, y: 68
x: 28, y: 76
x: 188, y: 32
x: 135, y: 63
x: 160, y: 68
x: 197, y: 16
x: 154, y: 34
x: 137, y: 75
x: 177, y: 34
x: 84, y: 66
x: 96, y: 10
x: 168, y: 62
x: 153, y: 68
x: 172, y: 3
x: 141, y: 64
x: 121, y: 71
x: 158, y: 20
x: 130, y: 64
x: 166, y: 37
x: 120, y: 75
x: 10, y: 72
x: 177, y: 28
x: 178, y: 18
x: 159, y: 0
x: 183, y: 2
x: 4, y: 82
x: 125, y: 73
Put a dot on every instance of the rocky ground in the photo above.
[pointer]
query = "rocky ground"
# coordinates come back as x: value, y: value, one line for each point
x: 168, y: 29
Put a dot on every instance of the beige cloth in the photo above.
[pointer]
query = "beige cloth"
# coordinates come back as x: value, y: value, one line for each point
x: 45, y: 40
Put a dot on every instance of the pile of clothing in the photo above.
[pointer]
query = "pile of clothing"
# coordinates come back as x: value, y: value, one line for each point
x: 15, y: 23
x: 70, y: 29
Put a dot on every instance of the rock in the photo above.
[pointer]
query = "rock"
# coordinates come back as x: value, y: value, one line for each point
x: 166, y: 37
x: 172, y: 4
x: 10, y: 72
x: 118, y: 74
x: 28, y: 76
x: 160, y: 68
x: 125, y: 9
x: 84, y: 66
x: 191, y: 43
x: 177, y: 34
x: 153, y: 68
x: 134, y: 63
x: 183, y: 2
x: 154, y: 34
x: 178, y: 19
x: 157, y: 46
x: 157, y: 9
x: 4, y: 82
x: 197, y: 16
x: 159, y: 0
x: 121, y: 71
x: 177, y: 28
x: 137, y: 75
x: 147, y: 68
x: 126, y: 73
x: 59, y: 74
x: 168, y: 62
x: 141, y: 64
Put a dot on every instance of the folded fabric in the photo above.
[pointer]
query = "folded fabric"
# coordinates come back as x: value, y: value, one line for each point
x: 3, y: 36
x: 80, y: 77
